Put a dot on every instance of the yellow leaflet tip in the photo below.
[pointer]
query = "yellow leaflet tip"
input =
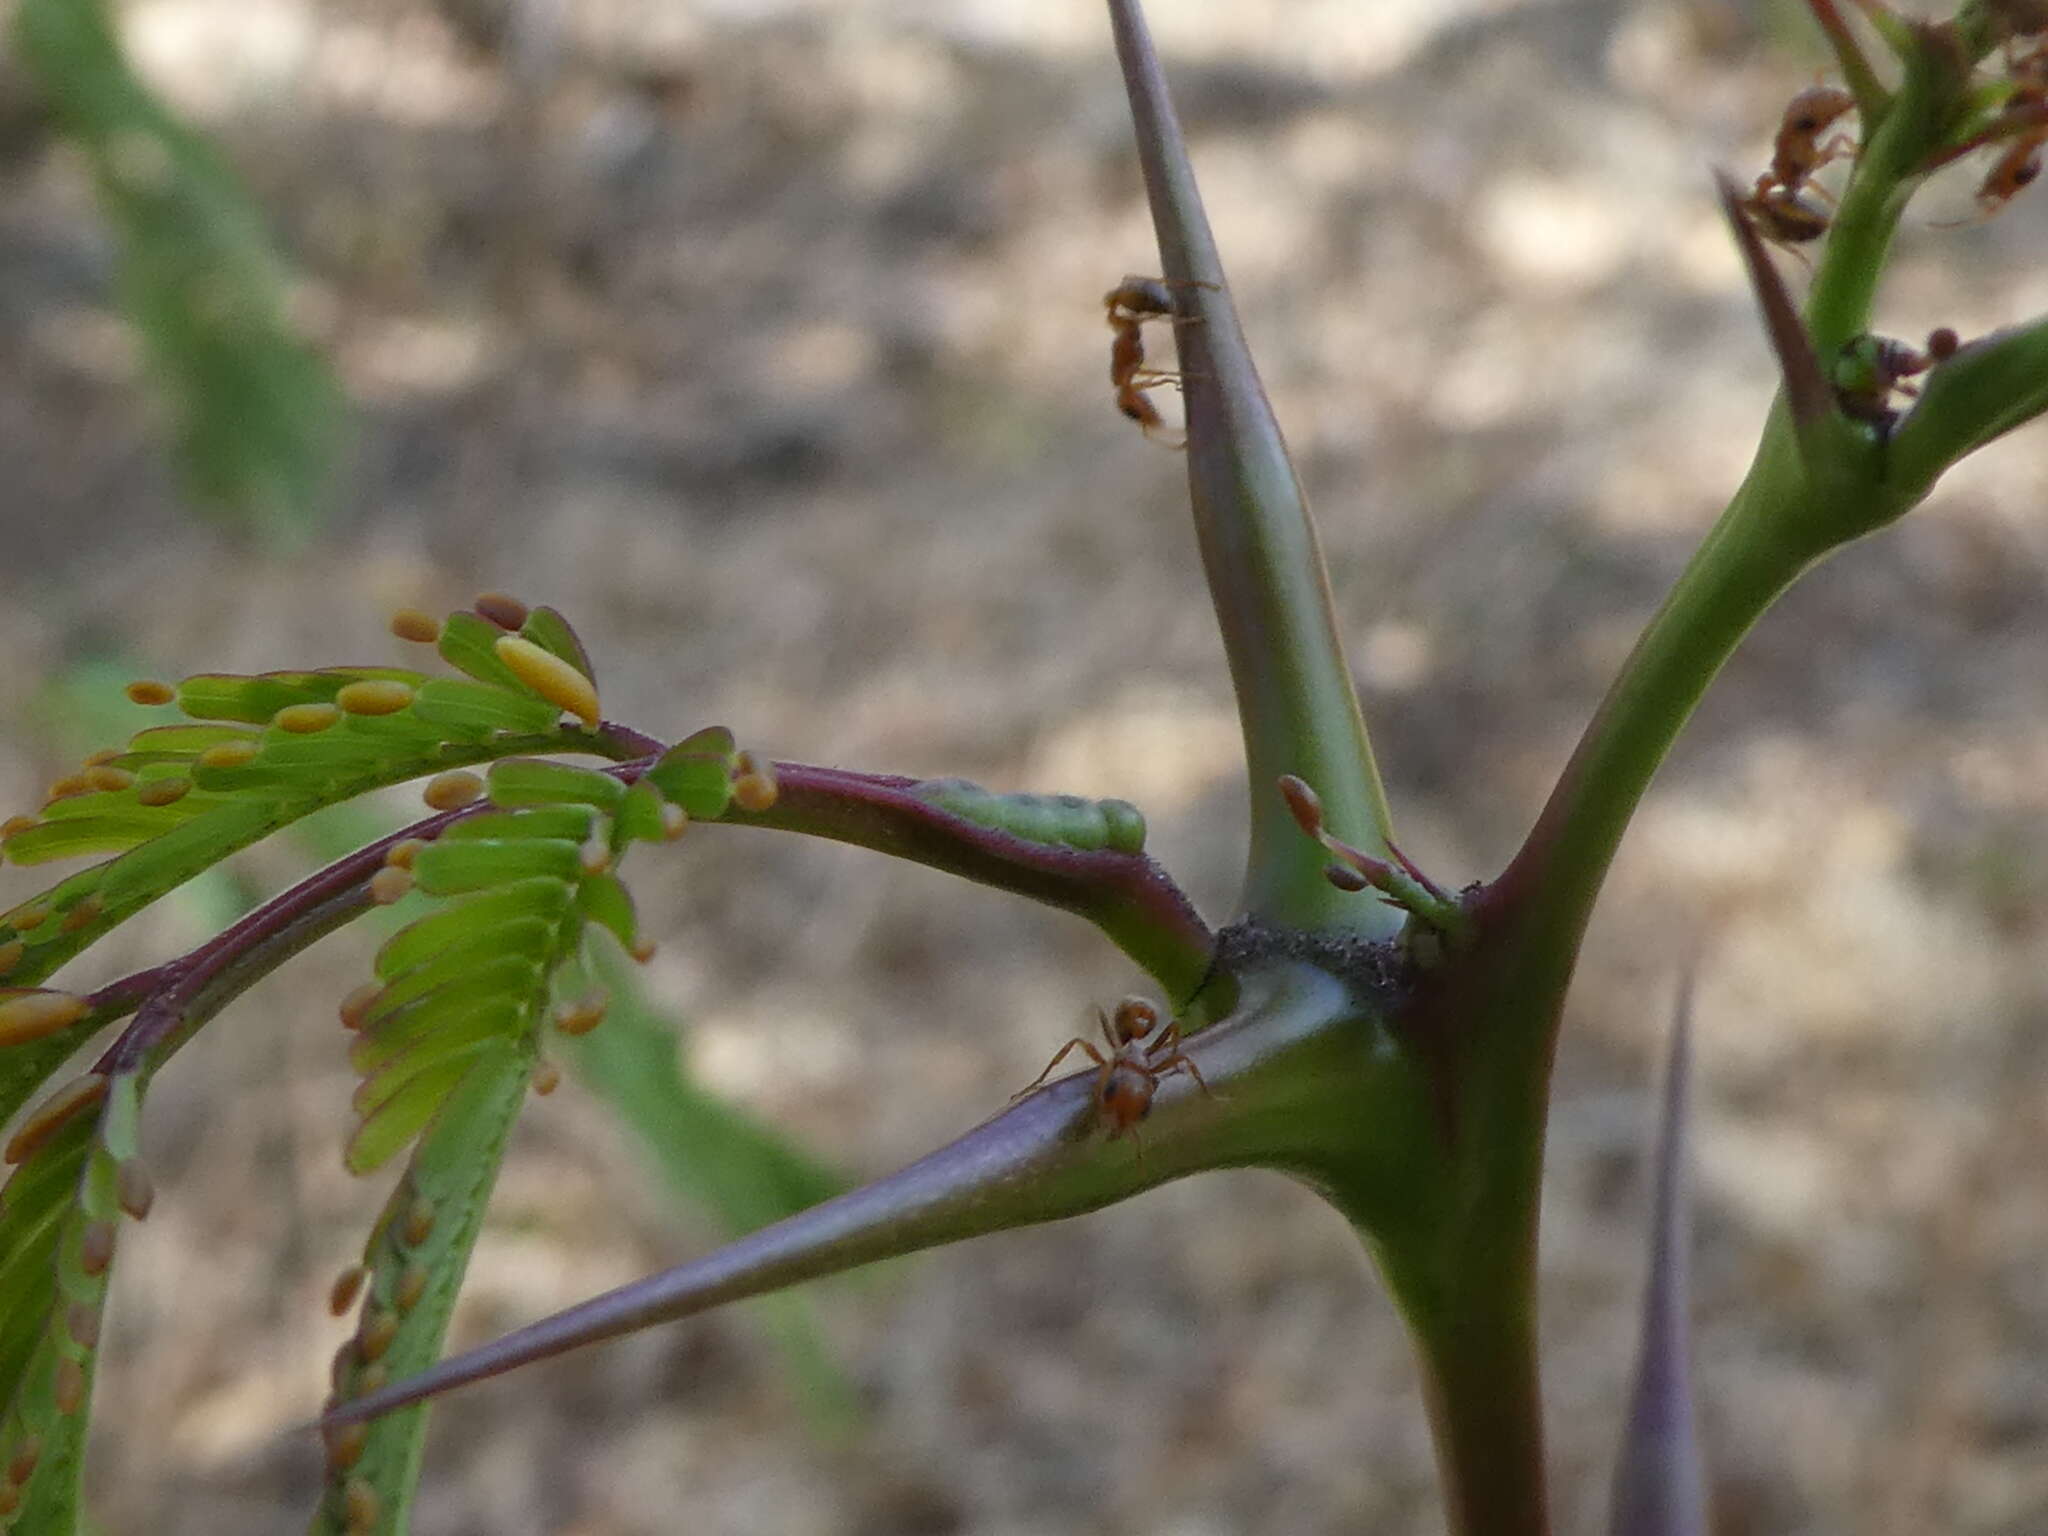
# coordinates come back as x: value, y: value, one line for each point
x: 48, y: 1117
x: 342, y: 1294
x: 753, y: 785
x: 550, y: 677
x: 32, y: 1015
x: 228, y: 754
x: 374, y: 696
x: 145, y: 692
x: 452, y: 790
x: 156, y: 793
x: 306, y: 719
x: 390, y: 885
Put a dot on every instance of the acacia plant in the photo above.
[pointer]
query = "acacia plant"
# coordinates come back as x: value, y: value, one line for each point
x: 1384, y: 1041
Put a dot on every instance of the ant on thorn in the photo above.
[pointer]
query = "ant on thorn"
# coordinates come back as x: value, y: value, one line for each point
x: 1129, y: 1075
x: 1127, y: 307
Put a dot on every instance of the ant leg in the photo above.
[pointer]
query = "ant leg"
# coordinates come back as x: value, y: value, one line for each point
x: 1179, y: 1061
x: 1086, y: 1048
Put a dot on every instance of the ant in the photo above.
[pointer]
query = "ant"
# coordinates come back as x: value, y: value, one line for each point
x: 2023, y: 126
x: 1127, y: 307
x: 1129, y: 1075
x: 1782, y: 212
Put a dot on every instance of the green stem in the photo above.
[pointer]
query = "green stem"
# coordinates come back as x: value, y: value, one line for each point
x: 1760, y: 545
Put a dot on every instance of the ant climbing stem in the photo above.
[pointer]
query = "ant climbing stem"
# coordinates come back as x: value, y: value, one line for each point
x: 1787, y: 206
x: 1127, y: 307
x: 1128, y: 1077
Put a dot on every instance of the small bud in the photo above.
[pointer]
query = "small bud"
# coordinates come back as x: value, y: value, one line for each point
x: 345, y: 1444
x: 501, y: 609
x: 1303, y: 804
x: 96, y: 1247
x: 68, y: 1389
x: 143, y: 691
x: 134, y: 1190
x: 1345, y: 878
x: 82, y: 1322
x: 419, y: 1223
x: 69, y: 787
x: 14, y: 824
x: 550, y: 677
x: 360, y: 1507
x: 675, y: 821
x: 411, y: 624
x: 452, y: 790
x: 161, y: 792
x: 32, y: 1015
x: 108, y: 780
x: 753, y: 785
x: 390, y: 885
x: 356, y: 1006
x: 401, y: 854
x: 374, y: 696
x: 47, y: 1118
x: 84, y: 913
x: 595, y: 856
x: 374, y: 1337
x: 344, y: 1367
x: 547, y: 1077
x: 412, y: 1285
x: 306, y: 719
x: 347, y: 1286
x: 581, y: 1017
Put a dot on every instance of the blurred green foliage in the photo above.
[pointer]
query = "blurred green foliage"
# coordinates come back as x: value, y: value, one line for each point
x: 255, y: 411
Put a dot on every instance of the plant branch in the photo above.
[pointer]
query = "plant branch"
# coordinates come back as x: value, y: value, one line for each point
x: 1282, y: 1089
x: 1127, y: 895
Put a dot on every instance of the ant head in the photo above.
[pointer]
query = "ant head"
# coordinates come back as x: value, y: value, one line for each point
x: 1134, y: 1019
x: 1125, y: 1097
x: 1816, y: 107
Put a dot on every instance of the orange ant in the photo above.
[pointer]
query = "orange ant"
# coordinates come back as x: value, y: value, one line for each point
x: 1127, y: 307
x: 2023, y: 127
x: 1798, y: 152
x: 1129, y: 1075
x: 1779, y: 205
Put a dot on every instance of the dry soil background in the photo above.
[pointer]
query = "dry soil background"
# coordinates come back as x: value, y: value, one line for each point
x: 764, y: 339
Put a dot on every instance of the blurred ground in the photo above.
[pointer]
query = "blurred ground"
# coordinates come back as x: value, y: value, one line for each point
x: 764, y: 339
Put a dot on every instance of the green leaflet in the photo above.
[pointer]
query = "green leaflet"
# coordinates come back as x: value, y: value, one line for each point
x: 478, y: 914
x: 431, y: 989
x: 469, y: 644
x: 474, y: 864
x: 1066, y: 820
x: 399, y: 1032
x: 697, y: 772
x: 547, y: 629
x: 517, y: 781
x: 416, y: 1257
x: 572, y: 823
x: 59, y: 1217
x: 480, y: 710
